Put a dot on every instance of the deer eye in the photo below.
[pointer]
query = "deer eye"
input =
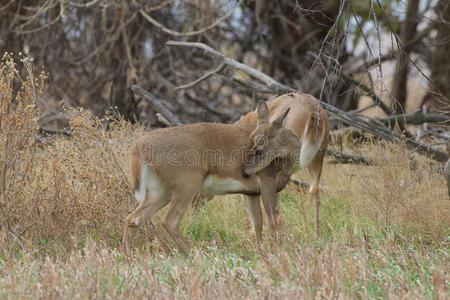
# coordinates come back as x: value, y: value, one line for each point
x: 258, y: 152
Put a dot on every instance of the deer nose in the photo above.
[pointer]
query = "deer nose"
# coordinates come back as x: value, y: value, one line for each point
x: 244, y: 174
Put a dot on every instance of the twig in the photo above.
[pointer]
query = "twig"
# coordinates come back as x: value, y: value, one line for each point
x: 208, y: 108
x: 163, y: 120
x: 204, y: 77
x: 231, y: 62
x: 159, y: 6
x: 358, y: 111
x: 80, y: 5
x: 390, y: 55
x: 370, y: 92
x: 343, y: 158
x: 157, y: 105
x: 305, y: 185
x: 416, y: 118
x: 385, y: 134
x: 248, y: 85
x: 191, y: 33
x: 53, y: 117
x: 351, y: 131
x: 55, y: 131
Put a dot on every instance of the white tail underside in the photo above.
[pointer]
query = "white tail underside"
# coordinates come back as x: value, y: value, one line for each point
x: 149, y: 183
x: 309, y: 150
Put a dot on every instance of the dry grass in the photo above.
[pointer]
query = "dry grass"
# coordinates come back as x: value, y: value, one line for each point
x: 62, y: 208
x: 75, y: 185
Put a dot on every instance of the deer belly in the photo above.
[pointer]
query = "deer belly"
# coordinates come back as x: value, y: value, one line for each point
x: 222, y: 186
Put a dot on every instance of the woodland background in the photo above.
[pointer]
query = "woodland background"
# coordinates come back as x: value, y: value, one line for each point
x: 71, y: 106
x: 95, y: 50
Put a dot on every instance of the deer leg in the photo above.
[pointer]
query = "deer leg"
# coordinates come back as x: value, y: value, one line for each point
x: 277, y: 211
x: 270, y: 199
x: 201, y: 200
x: 315, y: 170
x: 180, y: 204
x: 146, y: 209
x: 254, y: 212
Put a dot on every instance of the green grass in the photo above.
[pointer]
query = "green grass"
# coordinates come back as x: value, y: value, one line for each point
x: 354, y: 257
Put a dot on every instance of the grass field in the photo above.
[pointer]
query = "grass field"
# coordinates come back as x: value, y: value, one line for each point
x: 385, y: 229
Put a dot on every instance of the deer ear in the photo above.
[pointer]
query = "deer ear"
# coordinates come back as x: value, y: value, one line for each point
x: 262, y: 112
x: 280, y: 122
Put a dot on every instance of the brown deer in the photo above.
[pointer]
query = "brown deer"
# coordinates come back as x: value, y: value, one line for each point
x: 310, y: 124
x: 172, y: 165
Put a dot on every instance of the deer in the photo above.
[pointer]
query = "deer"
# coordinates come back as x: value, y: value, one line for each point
x: 311, y: 126
x: 173, y: 165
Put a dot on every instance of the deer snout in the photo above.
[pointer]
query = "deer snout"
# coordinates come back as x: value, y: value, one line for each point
x: 244, y: 174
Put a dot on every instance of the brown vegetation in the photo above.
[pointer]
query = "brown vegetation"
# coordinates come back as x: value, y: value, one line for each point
x: 63, y: 204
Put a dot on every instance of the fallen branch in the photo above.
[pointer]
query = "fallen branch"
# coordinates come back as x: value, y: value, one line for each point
x: 352, y: 132
x: 342, y: 116
x: 50, y: 118
x: 157, y: 105
x: 384, y: 133
x: 349, y: 159
x: 305, y: 185
x: 55, y: 131
x: 416, y: 118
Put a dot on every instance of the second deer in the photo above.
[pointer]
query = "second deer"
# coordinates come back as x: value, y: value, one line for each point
x: 310, y: 124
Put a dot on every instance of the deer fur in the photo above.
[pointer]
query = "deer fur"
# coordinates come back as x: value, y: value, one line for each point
x: 172, y: 165
x: 311, y: 126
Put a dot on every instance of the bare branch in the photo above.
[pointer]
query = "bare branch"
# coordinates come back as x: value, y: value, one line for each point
x: 240, y: 66
x: 358, y: 111
x: 416, y: 118
x: 370, y: 92
x: 80, y: 5
x: 47, y: 119
x: 343, y: 158
x: 248, y: 85
x: 163, y: 120
x: 355, y: 69
x: 204, y: 77
x: 191, y: 33
x: 208, y: 108
x: 157, y: 105
x: 305, y: 185
x: 55, y: 131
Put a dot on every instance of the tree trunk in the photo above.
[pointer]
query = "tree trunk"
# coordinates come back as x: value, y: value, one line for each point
x: 439, y: 94
x: 407, y: 32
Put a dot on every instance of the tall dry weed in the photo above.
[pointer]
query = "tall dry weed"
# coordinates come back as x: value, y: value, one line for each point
x: 403, y: 190
x: 19, y: 92
x: 75, y: 185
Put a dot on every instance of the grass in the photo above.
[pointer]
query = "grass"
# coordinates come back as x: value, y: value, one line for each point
x: 63, y: 204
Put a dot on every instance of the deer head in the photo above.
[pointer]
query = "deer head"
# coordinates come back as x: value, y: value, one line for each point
x: 269, y: 141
